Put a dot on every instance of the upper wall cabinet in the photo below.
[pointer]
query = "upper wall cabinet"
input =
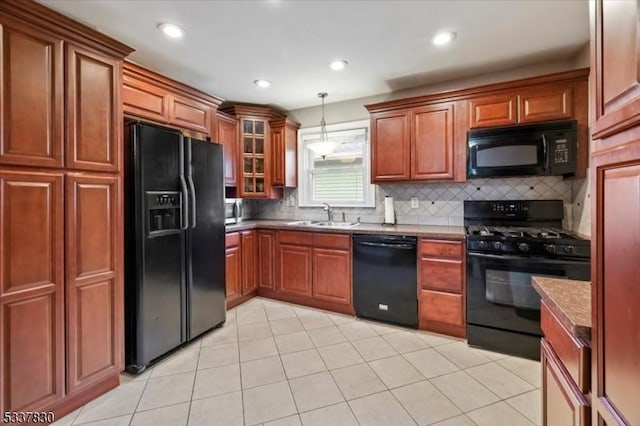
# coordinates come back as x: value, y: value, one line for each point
x: 416, y: 144
x: 425, y: 138
x: 390, y: 146
x: 266, y: 151
x: 31, y: 101
x: 554, y: 102
x: 284, y: 144
x: 148, y: 95
x: 228, y: 137
x: 94, y: 114
x: 616, y: 66
x: 492, y: 110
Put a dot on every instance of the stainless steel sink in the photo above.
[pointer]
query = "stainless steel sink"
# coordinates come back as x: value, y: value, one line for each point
x: 337, y: 224
x: 303, y: 223
x: 325, y: 224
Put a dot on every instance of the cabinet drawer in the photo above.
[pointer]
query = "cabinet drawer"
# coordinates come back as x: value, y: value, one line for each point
x: 441, y: 248
x: 442, y: 307
x: 574, y: 354
x: 232, y: 240
x: 292, y: 237
x: 339, y: 241
x: 441, y: 274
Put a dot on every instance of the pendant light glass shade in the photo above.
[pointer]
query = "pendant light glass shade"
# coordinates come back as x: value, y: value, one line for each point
x: 323, y: 147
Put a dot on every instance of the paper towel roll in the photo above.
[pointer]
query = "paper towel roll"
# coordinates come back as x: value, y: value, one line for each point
x: 389, y: 214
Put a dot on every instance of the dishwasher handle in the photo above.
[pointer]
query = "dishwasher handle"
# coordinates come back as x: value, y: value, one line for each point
x: 387, y: 245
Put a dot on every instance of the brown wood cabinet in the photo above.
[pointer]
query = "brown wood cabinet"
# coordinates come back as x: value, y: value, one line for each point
x: 332, y: 276
x: 94, y: 112
x: 566, y: 371
x: 228, y: 137
x: 390, y: 146
x: 614, y: 63
x: 432, y: 144
x: 32, y: 289
x: 266, y: 151
x: 314, y: 269
x: 425, y: 138
x: 61, y: 235
x: 493, y: 110
x: 94, y: 273
x: 562, y: 403
x: 233, y: 268
x: 295, y: 263
x: 615, y: 179
x: 241, y: 266
x: 266, y: 259
x: 526, y: 105
x: 414, y: 144
x: 284, y: 152
x: 543, y: 104
x: 32, y: 102
x: 441, y: 284
x: 153, y: 97
x: 249, y: 246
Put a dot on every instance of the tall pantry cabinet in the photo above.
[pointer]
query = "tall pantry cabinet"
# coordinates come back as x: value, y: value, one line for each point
x: 615, y: 179
x: 61, y: 232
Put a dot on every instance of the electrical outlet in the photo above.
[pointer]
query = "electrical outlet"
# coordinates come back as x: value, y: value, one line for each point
x: 415, y: 203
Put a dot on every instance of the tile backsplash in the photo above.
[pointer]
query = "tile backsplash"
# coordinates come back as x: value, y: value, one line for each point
x: 440, y: 203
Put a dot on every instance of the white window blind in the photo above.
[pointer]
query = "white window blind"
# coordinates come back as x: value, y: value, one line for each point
x: 342, y: 177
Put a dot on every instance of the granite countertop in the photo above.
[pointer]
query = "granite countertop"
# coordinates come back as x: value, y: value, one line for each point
x: 429, y: 231
x: 570, y: 301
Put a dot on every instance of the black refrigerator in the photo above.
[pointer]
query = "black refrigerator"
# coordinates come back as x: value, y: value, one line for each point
x: 174, y: 241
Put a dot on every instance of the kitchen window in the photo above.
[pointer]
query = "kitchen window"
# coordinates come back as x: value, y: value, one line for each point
x: 342, y: 177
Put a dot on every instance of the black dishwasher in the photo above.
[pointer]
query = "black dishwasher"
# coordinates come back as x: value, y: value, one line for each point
x: 385, y: 279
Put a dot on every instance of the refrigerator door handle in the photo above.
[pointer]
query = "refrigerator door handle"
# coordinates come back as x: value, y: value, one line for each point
x: 183, y: 186
x: 192, y: 187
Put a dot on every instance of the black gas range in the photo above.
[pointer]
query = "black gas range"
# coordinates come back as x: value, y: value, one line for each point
x: 507, y: 243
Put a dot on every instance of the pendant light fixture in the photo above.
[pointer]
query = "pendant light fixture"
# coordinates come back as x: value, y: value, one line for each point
x: 323, y: 147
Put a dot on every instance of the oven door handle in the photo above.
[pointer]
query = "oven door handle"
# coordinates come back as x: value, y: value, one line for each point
x: 504, y: 257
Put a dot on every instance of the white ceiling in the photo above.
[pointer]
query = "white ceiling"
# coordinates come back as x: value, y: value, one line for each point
x: 229, y: 44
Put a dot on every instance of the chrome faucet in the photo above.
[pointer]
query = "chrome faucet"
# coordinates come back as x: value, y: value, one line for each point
x: 327, y: 208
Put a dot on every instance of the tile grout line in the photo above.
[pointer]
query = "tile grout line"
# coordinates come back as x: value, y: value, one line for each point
x: 244, y: 421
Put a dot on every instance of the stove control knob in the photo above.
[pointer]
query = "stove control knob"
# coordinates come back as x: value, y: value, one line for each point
x: 551, y: 248
x: 523, y: 247
x: 569, y: 249
x: 497, y: 245
x: 482, y: 244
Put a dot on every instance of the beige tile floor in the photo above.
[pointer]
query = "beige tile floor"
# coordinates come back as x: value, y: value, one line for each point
x: 279, y: 364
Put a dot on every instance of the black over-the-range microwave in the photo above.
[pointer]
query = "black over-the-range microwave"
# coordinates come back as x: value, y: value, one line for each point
x: 533, y: 149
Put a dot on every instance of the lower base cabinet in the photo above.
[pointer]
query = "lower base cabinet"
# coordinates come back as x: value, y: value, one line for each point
x: 331, y: 270
x: 562, y: 403
x: 441, y: 276
x: 61, y: 289
x: 240, y: 265
x: 566, y: 373
x: 311, y: 268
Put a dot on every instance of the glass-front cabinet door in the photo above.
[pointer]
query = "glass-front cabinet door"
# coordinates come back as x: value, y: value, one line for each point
x: 253, y: 158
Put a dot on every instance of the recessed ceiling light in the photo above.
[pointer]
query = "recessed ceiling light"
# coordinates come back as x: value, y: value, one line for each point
x: 263, y: 84
x: 338, y: 65
x: 171, y: 30
x: 443, y: 38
